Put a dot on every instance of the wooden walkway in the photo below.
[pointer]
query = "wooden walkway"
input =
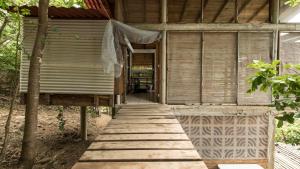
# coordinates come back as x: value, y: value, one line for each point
x: 142, y: 137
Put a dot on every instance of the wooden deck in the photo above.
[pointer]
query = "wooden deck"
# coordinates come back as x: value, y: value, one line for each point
x: 142, y: 137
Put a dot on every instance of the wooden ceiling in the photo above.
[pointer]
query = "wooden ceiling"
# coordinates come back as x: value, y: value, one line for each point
x: 190, y: 11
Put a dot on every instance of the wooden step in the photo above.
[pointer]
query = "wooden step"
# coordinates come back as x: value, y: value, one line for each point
x: 139, y: 126
x: 140, y: 155
x: 138, y: 145
x: 144, y: 121
x: 141, y: 165
x: 143, y: 137
x: 144, y: 130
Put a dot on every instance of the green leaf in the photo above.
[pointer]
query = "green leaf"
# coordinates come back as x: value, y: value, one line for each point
x: 280, y: 123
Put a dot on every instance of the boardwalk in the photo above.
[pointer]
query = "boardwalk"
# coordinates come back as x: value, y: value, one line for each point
x: 142, y: 137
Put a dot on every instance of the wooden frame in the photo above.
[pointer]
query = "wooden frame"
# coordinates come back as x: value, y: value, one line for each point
x: 72, y: 99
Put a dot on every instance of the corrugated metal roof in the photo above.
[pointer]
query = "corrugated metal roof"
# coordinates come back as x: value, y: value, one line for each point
x: 102, y: 7
x: 68, y: 13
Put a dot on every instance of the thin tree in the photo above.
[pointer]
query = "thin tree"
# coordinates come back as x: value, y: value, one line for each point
x: 32, y: 101
x: 14, y: 88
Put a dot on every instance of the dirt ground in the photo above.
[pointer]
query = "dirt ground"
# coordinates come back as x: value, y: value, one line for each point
x: 56, y: 149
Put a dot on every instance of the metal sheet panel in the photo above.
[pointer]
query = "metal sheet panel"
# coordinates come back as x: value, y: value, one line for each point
x: 71, y: 62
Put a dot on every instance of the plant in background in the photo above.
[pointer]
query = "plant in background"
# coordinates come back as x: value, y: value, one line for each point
x: 285, y: 88
x: 93, y: 111
x: 60, y: 118
x: 292, y: 3
x: 289, y: 134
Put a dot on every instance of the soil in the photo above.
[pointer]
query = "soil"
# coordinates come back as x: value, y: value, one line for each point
x: 56, y: 149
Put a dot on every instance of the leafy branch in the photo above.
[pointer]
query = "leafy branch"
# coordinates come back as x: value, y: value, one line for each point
x: 285, y: 88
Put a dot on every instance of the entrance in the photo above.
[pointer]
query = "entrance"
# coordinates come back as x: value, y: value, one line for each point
x: 141, y: 86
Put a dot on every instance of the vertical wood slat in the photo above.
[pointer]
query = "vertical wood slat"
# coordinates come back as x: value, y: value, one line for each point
x: 253, y: 46
x: 184, y: 67
x: 219, y: 68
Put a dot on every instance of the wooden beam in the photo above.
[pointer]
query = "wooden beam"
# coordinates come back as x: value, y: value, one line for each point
x: 83, y: 123
x: 220, y: 10
x: 258, y: 11
x: 183, y: 10
x: 119, y: 12
x: 124, y: 11
x: 241, y: 9
x: 219, y: 27
x: 164, y: 11
x: 203, y: 6
x: 145, y: 11
x: 164, y: 17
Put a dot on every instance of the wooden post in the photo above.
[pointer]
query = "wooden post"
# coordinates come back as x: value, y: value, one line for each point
x: 275, y: 20
x: 118, y: 10
x: 163, y: 53
x: 83, y: 123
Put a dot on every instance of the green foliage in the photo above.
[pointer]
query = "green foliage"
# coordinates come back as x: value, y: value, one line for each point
x: 93, y: 111
x: 285, y: 88
x: 60, y: 118
x: 289, y: 134
x: 11, y: 36
x: 292, y: 3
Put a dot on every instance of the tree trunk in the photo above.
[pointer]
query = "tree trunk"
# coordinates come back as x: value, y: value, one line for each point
x: 14, y: 93
x: 14, y: 90
x: 30, y: 129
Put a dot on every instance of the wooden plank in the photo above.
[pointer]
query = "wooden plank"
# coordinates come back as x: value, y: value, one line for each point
x: 144, y: 117
x: 140, y: 165
x: 133, y: 126
x: 147, y: 121
x: 145, y: 114
x: 140, y: 155
x: 145, y: 111
x: 136, y: 145
x: 184, y: 67
x: 138, y: 137
x: 144, y: 130
x: 219, y: 73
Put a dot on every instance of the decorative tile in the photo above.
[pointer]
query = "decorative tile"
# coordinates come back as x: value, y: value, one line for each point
x: 228, y: 137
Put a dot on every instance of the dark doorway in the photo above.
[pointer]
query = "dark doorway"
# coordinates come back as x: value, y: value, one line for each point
x: 141, y: 76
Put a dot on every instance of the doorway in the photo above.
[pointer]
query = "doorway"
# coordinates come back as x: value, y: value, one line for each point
x: 141, y: 86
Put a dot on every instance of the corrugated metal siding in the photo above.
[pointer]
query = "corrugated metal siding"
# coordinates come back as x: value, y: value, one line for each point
x: 184, y: 67
x: 252, y: 46
x: 219, y: 68
x: 71, y: 61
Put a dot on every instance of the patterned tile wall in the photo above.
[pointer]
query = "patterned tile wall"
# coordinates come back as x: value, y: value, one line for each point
x: 228, y: 137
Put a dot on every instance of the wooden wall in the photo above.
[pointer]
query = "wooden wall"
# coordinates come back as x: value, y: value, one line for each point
x: 252, y: 46
x: 213, y: 69
x: 219, y: 68
x: 289, y: 50
x: 184, y: 67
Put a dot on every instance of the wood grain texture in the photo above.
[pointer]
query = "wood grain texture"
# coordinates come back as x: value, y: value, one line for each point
x: 143, y: 126
x: 144, y: 130
x: 219, y: 68
x: 140, y: 155
x: 135, y: 145
x: 146, y: 121
x: 253, y: 46
x: 184, y: 67
x: 127, y: 137
x: 140, y: 165
x: 144, y: 117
